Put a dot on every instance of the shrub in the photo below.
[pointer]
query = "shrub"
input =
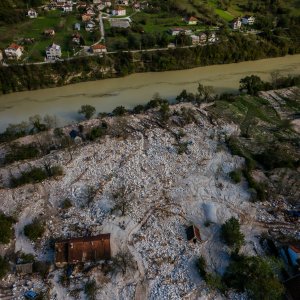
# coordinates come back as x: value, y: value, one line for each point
x: 4, y: 267
x: 90, y: 289
x: 34, y: 230
x: 21, y: 152
x: 138, y: 109
x: 87, y: 111
x: 95, y: 133
x: 32, y: 176
x: 236, y: 176
x: 201, y: 264
x: 42, y: 267
x: 254, y: 275
x: 119, y: 111
x: 231, y: 234
x: 6, y: 230
x: 66, y: 204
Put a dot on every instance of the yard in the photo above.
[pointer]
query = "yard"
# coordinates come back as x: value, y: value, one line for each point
x: 34, y: 28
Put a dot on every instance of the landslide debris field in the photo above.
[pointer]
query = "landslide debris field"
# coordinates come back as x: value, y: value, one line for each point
x: 144, y: 180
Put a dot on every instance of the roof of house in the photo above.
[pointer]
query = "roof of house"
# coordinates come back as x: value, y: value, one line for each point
x: 98, y: 46
x: 192, y: 19
x: 83, y: 249
x: 292, y: 287
x: 54, y: 46
x: 193, y: 232
x: 119, y: 8
x: 295, y: 248
x: 14, y: 46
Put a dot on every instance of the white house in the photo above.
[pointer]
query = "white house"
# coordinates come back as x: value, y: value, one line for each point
x: 195, y: 39
x: 89, y: 26
x: 53, y: 52
x: 98, y: 49
x: 32, y: 14
x: 212, y: 38
x: 191, y: 21
x: 107, y: 3
x: 14, y: 51
x: 202, y: 38
x: 123, y: 2
x: 119, y: 11
x: 67, y: 8
x: 294, y: 253
x: 248, y: 20
x: 176, y: 31
x: 236, y: 24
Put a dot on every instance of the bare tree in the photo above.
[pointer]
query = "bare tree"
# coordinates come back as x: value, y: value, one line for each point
x: 121, y: 200
x: 123, y: 261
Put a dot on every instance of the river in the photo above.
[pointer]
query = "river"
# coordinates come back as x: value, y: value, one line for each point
x: 129, y: 91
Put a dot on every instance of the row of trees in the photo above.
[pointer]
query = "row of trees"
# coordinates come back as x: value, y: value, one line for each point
x: 234, y: 48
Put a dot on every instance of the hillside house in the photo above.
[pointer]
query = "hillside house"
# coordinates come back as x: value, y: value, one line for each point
x: 76, y: 37
x: 248, y: 20
x: 294, y: 253
x: 212, y: 38
x: 90, y: 26
x: 202, y: 38
x: 191, y: 21
x: 67, y: 8
x: 83, y: 249
x: 49, y: 32
x: 195, y: 39
x: 193, y: 234
x: 86, y: 18
x: 77, y: 26
x: 123, y: 2
x: 14, y: 51
x: 32, y: 14
x: 97, y: 1
x: 53, y: 52
x: 90, y: 12
x: 107, y: 3
x: 98, y: 49
x: 176, y: 31
x: 236, y: 24
x: 119, y: 11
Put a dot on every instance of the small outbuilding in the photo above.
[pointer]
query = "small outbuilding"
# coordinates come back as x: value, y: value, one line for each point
x: 24, y: 268
x: 193, y: 234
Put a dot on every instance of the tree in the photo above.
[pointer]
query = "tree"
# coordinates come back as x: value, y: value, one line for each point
x: 231, y: 234
x: 34, y: 230
x: 252, y: 84
x: 123, y: 261
x: 119, y: 111
x: 254, y: 275
x: 4, y: 267
x: 205, y: 92
x: 6, y: 230
x: 87, y: 111
x: 164, y: 112
x: 90, y: 289
x: 121, y: 200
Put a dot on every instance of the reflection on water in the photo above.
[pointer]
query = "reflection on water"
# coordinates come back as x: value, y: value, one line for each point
x: 129, y: 91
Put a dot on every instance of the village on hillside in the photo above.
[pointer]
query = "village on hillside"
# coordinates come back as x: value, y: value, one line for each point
x: 64, y: 29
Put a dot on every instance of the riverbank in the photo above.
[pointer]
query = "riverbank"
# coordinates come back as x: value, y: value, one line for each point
x: 134, y: 89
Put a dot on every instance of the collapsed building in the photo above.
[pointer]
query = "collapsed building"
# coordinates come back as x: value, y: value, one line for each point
x: 82, y: 249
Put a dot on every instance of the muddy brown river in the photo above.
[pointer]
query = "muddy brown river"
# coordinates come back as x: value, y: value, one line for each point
x: 129, y: 91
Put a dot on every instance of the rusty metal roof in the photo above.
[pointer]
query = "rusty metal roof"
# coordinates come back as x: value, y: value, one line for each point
x: 83, y: 249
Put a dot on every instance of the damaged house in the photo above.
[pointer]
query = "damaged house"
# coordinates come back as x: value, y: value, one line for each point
x: 83, y: 249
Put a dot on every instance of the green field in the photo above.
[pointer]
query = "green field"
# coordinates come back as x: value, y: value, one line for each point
x: 33, y: 28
